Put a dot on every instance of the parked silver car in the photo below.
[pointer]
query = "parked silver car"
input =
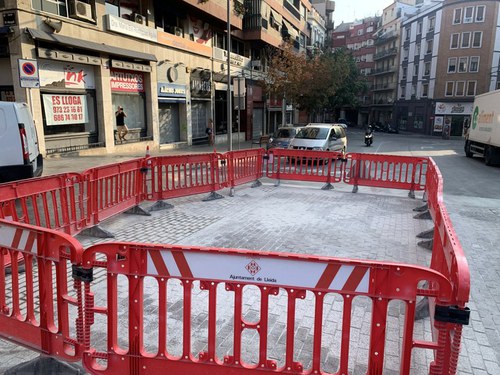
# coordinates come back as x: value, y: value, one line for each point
x: 282, y: 136
x: 321, y: 137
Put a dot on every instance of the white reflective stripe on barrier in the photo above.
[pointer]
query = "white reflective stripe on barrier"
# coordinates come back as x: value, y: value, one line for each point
x: 255, y: 269
x: 20, y: 239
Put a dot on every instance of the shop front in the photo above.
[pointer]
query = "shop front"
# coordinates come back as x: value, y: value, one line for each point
x: 128, y: 91
x: 201, y: 93
x: 69, y: 106
x: 172, y: 92
x: 451, y: 119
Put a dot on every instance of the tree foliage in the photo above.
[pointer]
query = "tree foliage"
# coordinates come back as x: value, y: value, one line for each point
x: 326, y: 80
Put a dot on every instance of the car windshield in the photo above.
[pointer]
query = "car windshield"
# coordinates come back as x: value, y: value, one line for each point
x: 312, y: 133
x: 285, y: 133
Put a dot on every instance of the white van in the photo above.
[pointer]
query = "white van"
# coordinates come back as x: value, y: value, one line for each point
x: 19, y: 154
x: 320, y: 137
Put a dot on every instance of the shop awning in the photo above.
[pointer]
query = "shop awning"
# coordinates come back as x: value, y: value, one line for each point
x: 83, y: 44
x: 294, y: 34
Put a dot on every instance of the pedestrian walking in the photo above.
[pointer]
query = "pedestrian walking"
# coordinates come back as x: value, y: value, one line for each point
x: 121, y: 127
x: 210, y: 132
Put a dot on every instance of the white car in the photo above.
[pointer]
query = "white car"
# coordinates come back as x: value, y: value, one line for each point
x: 320, y: 137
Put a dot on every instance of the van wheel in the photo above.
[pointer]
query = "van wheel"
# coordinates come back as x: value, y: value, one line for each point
x: 467, y: 150
x: 488, y: 155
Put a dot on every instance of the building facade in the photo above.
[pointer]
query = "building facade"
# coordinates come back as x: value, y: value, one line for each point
x: 166, y: 62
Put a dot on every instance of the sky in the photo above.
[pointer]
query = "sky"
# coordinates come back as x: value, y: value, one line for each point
x: 349, y: 10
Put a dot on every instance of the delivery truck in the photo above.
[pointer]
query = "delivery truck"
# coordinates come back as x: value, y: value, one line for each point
x: 483, y: 135
x: 19, y: 153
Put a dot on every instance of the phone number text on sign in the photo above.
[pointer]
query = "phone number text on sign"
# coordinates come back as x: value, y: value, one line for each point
x: 65, y: 109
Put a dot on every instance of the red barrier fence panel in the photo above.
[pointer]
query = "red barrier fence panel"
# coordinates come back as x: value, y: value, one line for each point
x: 182, y: 175
x: 386, y: 171
x: 304, y: 165
x: 57, y: 202
x: 114, y: 188
x: 244, y: 166
x: 433, y: 188
x: 192, y: 310
x: 35, y: 301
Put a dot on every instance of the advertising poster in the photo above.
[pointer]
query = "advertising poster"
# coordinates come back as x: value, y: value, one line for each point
x: 63, y: 109
x: 66, y: 75
x: 438, y: 124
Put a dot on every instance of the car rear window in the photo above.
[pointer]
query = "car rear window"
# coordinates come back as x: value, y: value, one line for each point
x: 312, y: 133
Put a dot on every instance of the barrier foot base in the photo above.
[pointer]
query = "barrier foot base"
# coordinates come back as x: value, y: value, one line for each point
x: 277, y: 183
x: 160, y: 205
x: 423, y: 216
x: 137, y: 210
x: 423, y: 208
x: 355, y: 189
x: 45, y: 365
x: 212, y: 196
x: 328, y: 186
x: 422, y: 309
x: 428, y: 234
x: 97, y: 231
x: 411, y: 194
x: 256, y: 183
x: 231, y: 192
x: 426, y: 244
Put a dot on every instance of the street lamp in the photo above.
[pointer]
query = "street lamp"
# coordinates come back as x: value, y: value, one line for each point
x: 229, y: 109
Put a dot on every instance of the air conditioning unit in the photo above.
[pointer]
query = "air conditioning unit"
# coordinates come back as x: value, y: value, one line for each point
x: 139, y: 18
x: 80, y: 10
x: 467, y: 19
x: 179, y: 31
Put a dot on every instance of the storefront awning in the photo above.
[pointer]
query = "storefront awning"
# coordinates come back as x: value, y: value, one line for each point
x: 74, y: 42
x: 294, y: 34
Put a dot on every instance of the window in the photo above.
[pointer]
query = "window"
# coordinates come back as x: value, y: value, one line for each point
x: 65, y: 8
x: 454, y: 40
x: 460, y: 88
x: 417, y: 49
x: 427, y: 69
x: 452, y: 65
x: 429, y: 46
x: 403, y: 92
x: 432, y: 23
x: 480, y: 13
x: 465, y: 40
x: 471, y: 88
x: 425, y: 89
x: 498, y: 85
x: 360, y: 32
x: 419, y: 28
x: 474, y: 64
x: 125, y: 9
x: 404, y: 72
x: 406, y: 52
x: 457, y: 16
x: 462, y: 64
x: 413, y: 90
x: 468, y: 14
x: 407, y: 32
x: 449, y: 88
x: 477, y: 39
x: 415, y: 70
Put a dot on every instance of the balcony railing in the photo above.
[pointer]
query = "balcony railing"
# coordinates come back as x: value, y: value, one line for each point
x: 385, y: 37
x: 384, y: 87
x: 381, y: 71
x: 388, y: 52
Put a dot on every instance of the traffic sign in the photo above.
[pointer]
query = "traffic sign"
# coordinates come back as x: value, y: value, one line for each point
x: 28, y: 73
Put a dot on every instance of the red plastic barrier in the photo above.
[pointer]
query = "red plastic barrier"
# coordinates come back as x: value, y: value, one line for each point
x: 114, y: 188
x: 57, y: 202
x: 434, y: 189
x: 244, y: 166
x: 386, y: 171
x: 304, y: 165
x: 147, y: 270
x: 35, y: 302
x: 179, y: 176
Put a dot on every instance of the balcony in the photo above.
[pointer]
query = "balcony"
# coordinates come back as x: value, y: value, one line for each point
x: 381, y: 71
x: 386, y: 53
x: 384, y: 87
x: 386, y: 102
x: 386, y: 37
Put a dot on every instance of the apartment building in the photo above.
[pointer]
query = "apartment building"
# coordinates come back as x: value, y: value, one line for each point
x: 449, y: 54
x: 386, y: 58
x: 75, y: 61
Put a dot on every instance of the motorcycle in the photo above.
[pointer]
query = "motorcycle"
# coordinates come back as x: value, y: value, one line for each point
x: 368, y: 139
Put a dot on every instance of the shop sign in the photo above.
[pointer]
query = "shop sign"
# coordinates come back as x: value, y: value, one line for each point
x: 171, y: 90
x: 126, y: 27
x: 454, y: 108
x: 126, y: 81
x: 66, y: 75
x: 9, y: 19
x: 438, y: 124
x: 201, y: 84
x: 236, y: 60
x: 63, y: 109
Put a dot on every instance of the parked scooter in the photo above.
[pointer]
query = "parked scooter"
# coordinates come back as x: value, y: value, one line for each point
x: 369, y: 137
